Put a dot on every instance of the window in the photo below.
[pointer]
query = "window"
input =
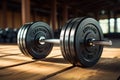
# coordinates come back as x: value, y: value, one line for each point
x: 118, y: 25
x: 104, y: 25
x: 112, y: 25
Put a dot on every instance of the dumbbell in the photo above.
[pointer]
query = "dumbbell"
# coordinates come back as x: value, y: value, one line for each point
x: 81, y: 41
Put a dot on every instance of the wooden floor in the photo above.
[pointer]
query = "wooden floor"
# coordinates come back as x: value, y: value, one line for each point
x: 15, y: 66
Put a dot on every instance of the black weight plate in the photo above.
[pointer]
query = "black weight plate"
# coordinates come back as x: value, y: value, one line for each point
x: 71, y: 39
x: 62, y: 37
x: 66, y: 40
x: 20, y: 34
x: 23, y: 36
x: 31, y: 41
x: 19, y: 38
x: 88, y: 55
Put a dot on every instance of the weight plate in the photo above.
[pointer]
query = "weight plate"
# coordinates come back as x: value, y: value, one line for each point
x: 30, y: 40
x: 66, y: 40
x: 87, y: 55
x: 62, y: 36
x: 23, y: 35
x: 71, y: 40
x: 20, y: 39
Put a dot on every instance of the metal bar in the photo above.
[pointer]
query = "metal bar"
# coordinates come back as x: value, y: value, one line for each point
x: 42, y: 40
x: 92, y: 42
x: 55, y: 41
x: 104, y: 43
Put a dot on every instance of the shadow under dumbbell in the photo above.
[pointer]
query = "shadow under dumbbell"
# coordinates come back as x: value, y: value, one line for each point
x: 27, y: 62
x: 55, y: 60
x: 108, y: 64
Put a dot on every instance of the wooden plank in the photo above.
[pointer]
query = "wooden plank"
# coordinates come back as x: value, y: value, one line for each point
x: 15, y: 66
x: 64, y: 14
x: 4, y: 13
x: 54, y: 14
x: 25, y: 9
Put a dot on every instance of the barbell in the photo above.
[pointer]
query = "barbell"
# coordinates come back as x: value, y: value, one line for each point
x: 81, y: 41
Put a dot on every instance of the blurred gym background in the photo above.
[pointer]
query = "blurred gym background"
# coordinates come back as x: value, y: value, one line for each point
x: 15, y: 13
